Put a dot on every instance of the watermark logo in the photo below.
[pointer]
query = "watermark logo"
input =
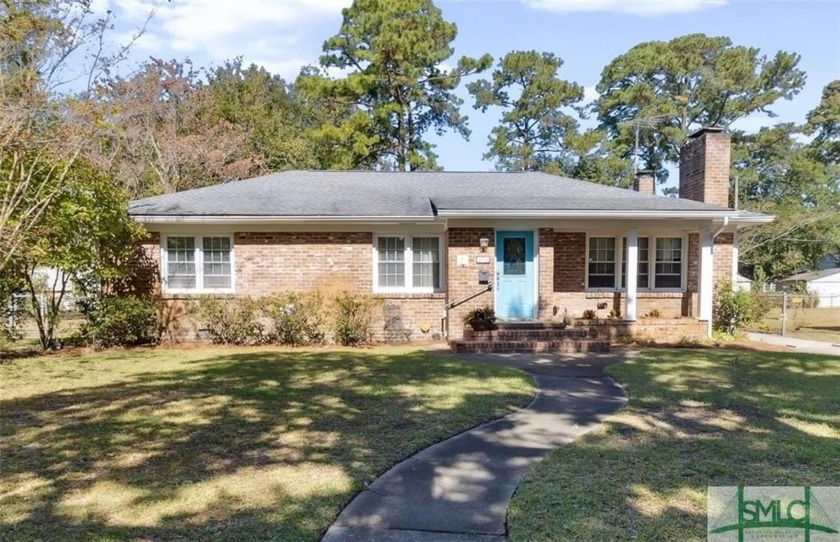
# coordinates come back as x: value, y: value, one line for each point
x: 770, y: 514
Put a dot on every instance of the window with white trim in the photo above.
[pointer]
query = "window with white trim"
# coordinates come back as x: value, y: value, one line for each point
x: 407, y: 263
x: 601, y: 267
x: 660, y: 267
x: 198, y: 263
x: 668, y: 265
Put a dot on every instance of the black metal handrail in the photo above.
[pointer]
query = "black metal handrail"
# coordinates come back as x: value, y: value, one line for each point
x: 444, y: 328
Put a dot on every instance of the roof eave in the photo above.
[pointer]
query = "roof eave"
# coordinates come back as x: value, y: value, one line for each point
x: 252, y: 219
x: 734, y: 217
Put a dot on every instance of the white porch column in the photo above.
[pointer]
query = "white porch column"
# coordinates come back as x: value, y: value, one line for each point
x: 705, y: 277
x: 632, y: 280
x: 735, y: 257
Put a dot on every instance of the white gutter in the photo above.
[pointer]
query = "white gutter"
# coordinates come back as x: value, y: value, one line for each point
x: 727, y: 216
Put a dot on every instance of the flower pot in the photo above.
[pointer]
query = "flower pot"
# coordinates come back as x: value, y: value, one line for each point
x: 480, y: 324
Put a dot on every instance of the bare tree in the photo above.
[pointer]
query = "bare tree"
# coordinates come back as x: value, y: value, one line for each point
x: 46, y: 49
x: 165, y: 136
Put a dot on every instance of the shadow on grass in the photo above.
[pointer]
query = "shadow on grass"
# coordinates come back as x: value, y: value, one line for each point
x: 695, y: 419
x: 250, y: 445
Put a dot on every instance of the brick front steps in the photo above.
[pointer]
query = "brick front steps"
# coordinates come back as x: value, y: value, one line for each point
x: 528, y: 337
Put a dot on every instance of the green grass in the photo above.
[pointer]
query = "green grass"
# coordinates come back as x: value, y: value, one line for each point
x: 230, y: 444
x: 695, y: 418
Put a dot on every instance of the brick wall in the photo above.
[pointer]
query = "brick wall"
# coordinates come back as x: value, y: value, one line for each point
x: 147, y: 268
x: 405, y: 317
x: 268, y: 263
x: 462, y: 281
x: 546, y: 270
x: 644, y: 183
x: 272, y: 262
x: 569, y: 262
x: 704, y: 167
x: 723, y: 258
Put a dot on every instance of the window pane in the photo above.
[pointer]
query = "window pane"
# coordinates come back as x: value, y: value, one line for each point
x: 426, y: 262
x: 668, y: 263
x: 216, y: 262
x: 601, y: 266
x: 513, y: 251
x: 644, y: 260
x: 180, y: 257
x: 391, y: 255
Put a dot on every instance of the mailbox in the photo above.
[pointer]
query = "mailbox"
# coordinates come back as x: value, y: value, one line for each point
x: 483, y: 276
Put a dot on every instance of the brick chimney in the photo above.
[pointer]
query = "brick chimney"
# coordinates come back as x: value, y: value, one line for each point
x: 704, y: 167
x: 644, y: 182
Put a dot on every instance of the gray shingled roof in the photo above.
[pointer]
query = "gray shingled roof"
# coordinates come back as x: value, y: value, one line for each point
x: 402, y: 194
x: 812, y: 275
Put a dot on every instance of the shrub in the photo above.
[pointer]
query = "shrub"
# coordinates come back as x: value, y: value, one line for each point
x: 235, y: 321
x: 483, y: 319
x: 353, y: 318
x: 733, y: 309
x: 654, y: 313
x: 119, y: 321
x: 589, y: 314
x: 615, y: 313
x: 297, y: 318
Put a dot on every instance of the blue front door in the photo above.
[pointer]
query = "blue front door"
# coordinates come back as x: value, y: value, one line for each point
x: 515, y: 275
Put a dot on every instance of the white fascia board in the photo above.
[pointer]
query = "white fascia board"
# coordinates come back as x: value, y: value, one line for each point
x: 734, y: 217
x: 246, y: 219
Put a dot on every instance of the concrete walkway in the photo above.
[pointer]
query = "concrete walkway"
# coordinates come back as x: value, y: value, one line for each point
x: 458, y: 490
x: 798, y: 345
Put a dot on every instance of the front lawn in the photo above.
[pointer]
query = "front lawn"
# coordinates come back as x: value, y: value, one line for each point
x: 230, y: 444
x: 695, y: 418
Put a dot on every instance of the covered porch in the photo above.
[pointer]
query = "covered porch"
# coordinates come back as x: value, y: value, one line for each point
x: 575, y: 272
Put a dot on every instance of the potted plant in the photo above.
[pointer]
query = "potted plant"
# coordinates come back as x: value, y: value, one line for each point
x: 483, y: 319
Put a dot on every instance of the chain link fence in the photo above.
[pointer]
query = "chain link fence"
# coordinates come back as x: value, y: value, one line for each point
x: 813, y: 316
x: 20, y: 321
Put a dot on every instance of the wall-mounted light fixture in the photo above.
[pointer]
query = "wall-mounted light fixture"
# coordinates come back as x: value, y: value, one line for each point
x: 484, y: 242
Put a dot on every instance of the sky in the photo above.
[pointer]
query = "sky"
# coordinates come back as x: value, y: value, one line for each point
x: 284, y: 35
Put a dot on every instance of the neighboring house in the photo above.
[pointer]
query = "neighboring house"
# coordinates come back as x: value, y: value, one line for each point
x: 531, y: 245
x: 824, y: 284
x: 742, y: 283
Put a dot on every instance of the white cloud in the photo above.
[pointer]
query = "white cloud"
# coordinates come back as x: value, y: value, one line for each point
x: 267, y: 32
x: 646, y: 8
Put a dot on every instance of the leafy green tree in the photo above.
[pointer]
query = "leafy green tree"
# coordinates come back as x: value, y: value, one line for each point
x: 393, y: 84
x: 779, y: 175
x: 43, y: 46
x: 85, y: 234
x: 535, y: 104
x: 823, y: 123
x: 269, y: 111
x: 671, y: 88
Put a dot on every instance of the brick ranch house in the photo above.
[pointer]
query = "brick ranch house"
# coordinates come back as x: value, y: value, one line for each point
x: 435, y: 245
